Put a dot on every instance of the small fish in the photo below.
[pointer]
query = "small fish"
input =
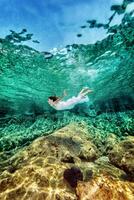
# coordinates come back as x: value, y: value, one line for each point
x: 79, y: 35
x: 83, y: 26
x: 35, y: 41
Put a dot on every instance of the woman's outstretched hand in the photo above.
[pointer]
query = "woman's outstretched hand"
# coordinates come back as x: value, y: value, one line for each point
x: 65, y: 93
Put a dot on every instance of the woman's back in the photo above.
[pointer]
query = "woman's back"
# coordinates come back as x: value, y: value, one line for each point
x: 71, y: 103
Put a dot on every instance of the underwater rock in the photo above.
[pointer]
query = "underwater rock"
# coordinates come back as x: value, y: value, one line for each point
x: 44, y: 168
x: 39, y: 170
x: 122, y: 155
x: 36, y: 181
x: 88, y: 152
x: 105, y: 188
x: 103, y: 166
x: 67, y: 158
x: 71, y: 144
x: 110, y: 142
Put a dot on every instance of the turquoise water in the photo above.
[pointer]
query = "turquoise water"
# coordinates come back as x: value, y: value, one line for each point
x: 70, y: 154
x: 28, y: 77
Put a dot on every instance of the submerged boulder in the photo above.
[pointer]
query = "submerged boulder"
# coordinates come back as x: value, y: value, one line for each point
x: 110, y: 142
x: 63, y: 165
x: 122, y: 155
x: 105, y: 188
x: 43, y: 169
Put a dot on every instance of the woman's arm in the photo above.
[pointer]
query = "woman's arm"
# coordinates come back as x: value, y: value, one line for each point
x: 64, y: 94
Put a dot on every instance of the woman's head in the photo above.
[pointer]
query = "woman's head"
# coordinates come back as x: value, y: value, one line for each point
x: 53, y: 98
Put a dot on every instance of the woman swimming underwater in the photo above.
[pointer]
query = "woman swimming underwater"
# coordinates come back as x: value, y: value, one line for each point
x: 58, y: 104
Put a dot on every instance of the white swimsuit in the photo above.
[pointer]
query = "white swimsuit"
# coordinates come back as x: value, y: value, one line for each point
x: 71, y: 103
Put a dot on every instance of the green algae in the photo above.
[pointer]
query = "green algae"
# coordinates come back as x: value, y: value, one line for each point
x: 18, y: 133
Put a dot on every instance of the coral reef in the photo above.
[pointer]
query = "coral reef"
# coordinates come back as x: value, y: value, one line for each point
x: 63, y: 165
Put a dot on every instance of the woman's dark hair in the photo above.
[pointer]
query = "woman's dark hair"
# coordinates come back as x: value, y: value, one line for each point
x: 54, y: 98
